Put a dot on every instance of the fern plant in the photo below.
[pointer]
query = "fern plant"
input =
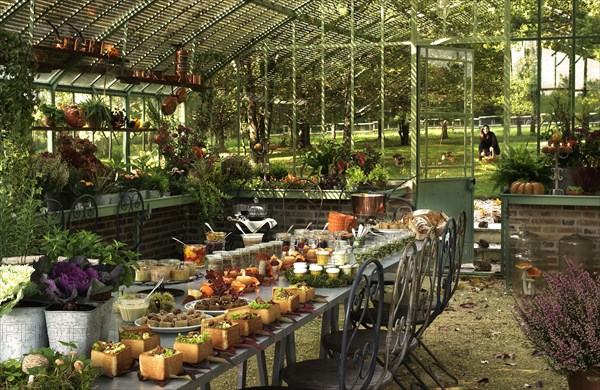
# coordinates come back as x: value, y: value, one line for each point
x: 521, y: 164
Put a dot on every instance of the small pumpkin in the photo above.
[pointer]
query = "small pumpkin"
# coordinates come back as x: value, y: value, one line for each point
x: 181, y: 94
x: 527, y: 188
x: 169, y: 105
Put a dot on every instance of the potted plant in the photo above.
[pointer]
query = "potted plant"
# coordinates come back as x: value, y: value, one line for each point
x: 53, y: 116
x: 564, y: 321
x: 518, y: 164
x: 52, y: 174
x: 574, y: 190
x: 106, y: 186
x: 97, y: 112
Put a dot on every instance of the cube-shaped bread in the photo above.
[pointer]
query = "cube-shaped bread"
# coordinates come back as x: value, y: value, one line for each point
x: 223, y: 332
x: 249, y: 322
x: 305, y: 293
x: 195, y: 346
x: 288, y: 302
x: 160, y: 363
x: 112, y: 358
x: 139, y: 339
x: 268, y: 312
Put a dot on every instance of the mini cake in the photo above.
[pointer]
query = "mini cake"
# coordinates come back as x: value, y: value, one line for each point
x: 268, y: 311
x: 139, y: 339
x: 248, y: 321
x: 142, y: 274
x: 112, y: 358
x: 160, y: 363
x: 181, y: 272
x: 223, y: 332
x: 195, y: 346
x: 288, y: 302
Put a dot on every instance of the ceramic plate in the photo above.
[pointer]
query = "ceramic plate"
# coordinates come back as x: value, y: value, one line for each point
x: 182, y: 329
x: 391, y: 231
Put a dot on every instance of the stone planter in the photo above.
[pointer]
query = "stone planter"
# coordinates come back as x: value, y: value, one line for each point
x: 22, y: 330
x: 64, y: 198
x: 105, y: 308
x: 107, y: 199
x: 151, y: 194
x: 81, y: 327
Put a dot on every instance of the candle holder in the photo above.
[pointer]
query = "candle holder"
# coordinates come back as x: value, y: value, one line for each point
x: 559, y: 150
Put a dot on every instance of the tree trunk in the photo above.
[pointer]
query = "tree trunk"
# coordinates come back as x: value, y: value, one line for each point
x: 404, y: 132
x: 445, y: 129
x: 532, y: 127
x: 303, y: 135
x: 519, y: 126
x: 379, y: 132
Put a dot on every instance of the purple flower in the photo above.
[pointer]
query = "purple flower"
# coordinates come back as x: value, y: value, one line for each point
x: 69, y: 276
x: 183, y: 139
x: 174, y: 135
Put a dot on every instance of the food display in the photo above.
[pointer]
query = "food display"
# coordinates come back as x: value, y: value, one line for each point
x: 159, y: 272
x: 112, y: 358
x: 194, y: 253
x: 268, y: 311
x: 223, y: 332
x: 142, y: 274
x: 249, y: 322
x: 219, y: 303
x: 288, y: 301
x: 418, y: 221
x: 180, y: 273
x: 139, y: 339
x: 174, y: 319
x: 160, y: 363
x: 133, y: 306
x: 195, y: 346
x: 215, y: 241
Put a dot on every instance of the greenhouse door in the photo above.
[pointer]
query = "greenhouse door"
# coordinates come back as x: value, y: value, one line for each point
x: 444, y: 145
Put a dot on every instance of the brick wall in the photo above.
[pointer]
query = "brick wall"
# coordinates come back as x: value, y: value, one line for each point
x: 552, y: 223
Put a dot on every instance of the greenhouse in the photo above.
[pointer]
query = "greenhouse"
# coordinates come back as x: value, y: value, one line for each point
x: 193, y: 192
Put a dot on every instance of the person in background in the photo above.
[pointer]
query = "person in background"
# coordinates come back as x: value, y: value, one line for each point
x: 488, y: 143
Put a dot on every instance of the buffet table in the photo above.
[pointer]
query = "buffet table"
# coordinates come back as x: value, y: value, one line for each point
x: 284, y: 340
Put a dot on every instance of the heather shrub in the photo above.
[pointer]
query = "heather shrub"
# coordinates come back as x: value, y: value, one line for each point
x: 563, y: 320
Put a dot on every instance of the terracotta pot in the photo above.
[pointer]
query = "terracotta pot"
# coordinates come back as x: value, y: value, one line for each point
x: 584, y: 380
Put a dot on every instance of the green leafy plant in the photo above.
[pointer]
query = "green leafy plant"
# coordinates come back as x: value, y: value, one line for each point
x: 90, y: 245
x: 521, y: 164
x: 322, y: 157
x: 379, y: 174
x: 574, y: 188
x: 355, y: 176
x: 53, y: 116
x: 50, y: 370
x: 97, y: 112
x: 104, y: 181
x: 51, y: 171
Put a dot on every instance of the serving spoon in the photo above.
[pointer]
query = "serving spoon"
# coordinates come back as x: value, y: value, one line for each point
x: 155, y: 287
x: 208, y: 225
x: 179, y: 241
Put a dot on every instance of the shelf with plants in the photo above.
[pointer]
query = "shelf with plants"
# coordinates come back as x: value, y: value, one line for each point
x: 66, y: 128
x: 137, y: 80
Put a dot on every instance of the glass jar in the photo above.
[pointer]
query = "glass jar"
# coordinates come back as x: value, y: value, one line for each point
x: 579, y: 249
x: 527, y: 264
x: 322, y: 257
x: 158, y: 272
x: 237, y: 258
x: 195, y: 253
x: 253, y: 250
x: 214, y: 262
x: 300, y: 238
x: 322, y: 238
x: 246, y: 257
x: 215, y: 241
x: 226, y: 257
x: 285, y: 239
x: 277, y: 248
x: 142, y: 274
x: 180, y: 273
x: 263, y: 251
x: 256, y: 212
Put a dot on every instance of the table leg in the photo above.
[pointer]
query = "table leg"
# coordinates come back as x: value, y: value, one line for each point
x: 262, y: 368
x: 241, y: 374
x: 278, y: 359
x: 290, y: 349
x: 325, y: 329
x: 205, y: 386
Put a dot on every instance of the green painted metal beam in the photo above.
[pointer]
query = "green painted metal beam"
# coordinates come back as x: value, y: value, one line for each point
x: 218, y: 19
x: 133, y: 12
x: 42, y: 14
x: 13, y: 9
x: 272, y: 6
x: 67, y: 18
x: 159, y: 28
x: 258, y: 38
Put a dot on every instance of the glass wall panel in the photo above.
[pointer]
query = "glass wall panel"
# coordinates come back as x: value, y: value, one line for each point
x: 556, y: 18
x: 524, y: 21
x: 587, y: 83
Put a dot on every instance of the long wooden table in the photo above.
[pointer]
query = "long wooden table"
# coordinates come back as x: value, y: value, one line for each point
x: 284, y: 341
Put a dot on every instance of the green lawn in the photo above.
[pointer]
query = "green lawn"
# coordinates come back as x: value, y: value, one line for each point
x: 436, y: 156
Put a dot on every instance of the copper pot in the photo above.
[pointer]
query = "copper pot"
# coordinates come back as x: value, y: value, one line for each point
x: 368, y: 203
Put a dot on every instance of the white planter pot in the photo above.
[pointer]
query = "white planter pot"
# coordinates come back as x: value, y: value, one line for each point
x: 79, y: 327
x: 22, y: 330
x: 107, y: 199
x: 105, y: 316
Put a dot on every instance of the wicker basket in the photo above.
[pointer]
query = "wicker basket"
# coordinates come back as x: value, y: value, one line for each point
x: 247, y: 327
x: 340, y: 222
x: 222, y: 338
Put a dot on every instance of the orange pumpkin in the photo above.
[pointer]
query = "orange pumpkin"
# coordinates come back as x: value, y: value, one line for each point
x: 527, y: 188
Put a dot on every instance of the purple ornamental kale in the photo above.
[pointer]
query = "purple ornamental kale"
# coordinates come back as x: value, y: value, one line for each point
x: 69, y: 276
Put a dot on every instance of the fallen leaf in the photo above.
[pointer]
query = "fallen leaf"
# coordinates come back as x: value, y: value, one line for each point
x: 478, y: 317
x: 527, y: 386
x: 510, y: 364
x: 457, y: 329
x: 467, y: 305
x: 484, y: 362
x: 483, y: 381
x: 538, y: 352
x: 503, y: 355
